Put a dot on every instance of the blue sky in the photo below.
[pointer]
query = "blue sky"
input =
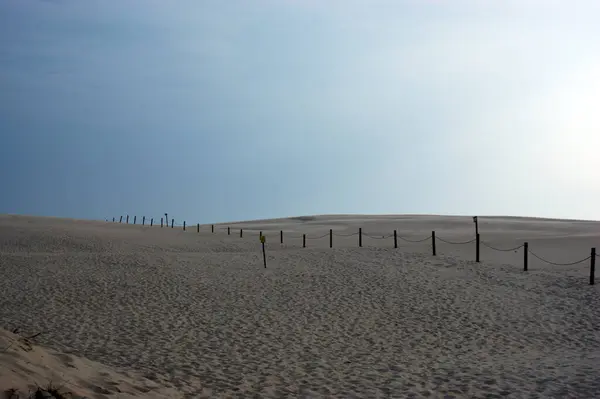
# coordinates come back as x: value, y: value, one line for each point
x: 234, y: 110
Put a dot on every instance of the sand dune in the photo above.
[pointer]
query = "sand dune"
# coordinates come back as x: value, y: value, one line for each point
x: 25, y: 367
x: 186, y: 313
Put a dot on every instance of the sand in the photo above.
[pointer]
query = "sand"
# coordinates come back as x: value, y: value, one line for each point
x: 187, y: 314
x: 25, y: 367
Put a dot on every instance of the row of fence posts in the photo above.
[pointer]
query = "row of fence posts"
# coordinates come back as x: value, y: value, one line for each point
x: 433, y: 247
x: 162, y: 223
x: 360, y: 242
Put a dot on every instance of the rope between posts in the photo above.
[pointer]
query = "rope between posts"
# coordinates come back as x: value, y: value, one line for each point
x: 345, y: 235
x: 560, y: 264
x: 377, y: 237
x: 316, y: 238
x: 409, y: 240
x: 456, y: 243
x: 500, y: 249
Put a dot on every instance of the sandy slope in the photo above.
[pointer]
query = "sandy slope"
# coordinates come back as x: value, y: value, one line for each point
x: 197, y: 313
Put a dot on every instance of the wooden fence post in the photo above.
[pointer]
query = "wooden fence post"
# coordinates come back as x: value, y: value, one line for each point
x: 121, y: 219
x: 330, y: 238
x: 172, y: 223
x: 198, y: 229
x: 113, y: 220
x: 134, y: 219
x: 241, y: 233
x: 433, y: 242
x: 127, y: 221
x: 593, y: 266
x: 143, y: 220
x: 360, y: 236
x: 281, y: 236
x: 161, y: 222
x: 477, y: 248
x: 151, y: 222
x: 303, y: 240
x: 228, y: 231
x: 184, y: 225
x: 212, y: 228
x: 395, y: 239
x: 264, y: 253
x: 525, y: 252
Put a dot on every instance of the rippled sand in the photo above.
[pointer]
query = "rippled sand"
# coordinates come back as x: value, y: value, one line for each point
x: 196, y: 313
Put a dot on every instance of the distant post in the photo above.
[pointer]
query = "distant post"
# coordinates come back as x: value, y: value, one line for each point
x: 241, y: 233
x: 477, y: 248
x: 172, y: 223
x: 395, y: 239
x: 143, y: 220
x: 476, y: 225
x: 303, y: 240
x: 281, y: 236
x: 212, y: 228
x: 151, y: 222
x: 525, y: 251
x: 113, y: 220
x: 360, y: 236
x: 433, y: 242
x: 262, y: 240
x: 593, y: 266
x: 330, y: 238
x: 121, y: 219
x: 161, y: 222
x: 228, y: 231
x: 127, y: 219
x: 167, y: 219
x: 184, y: 225
x: 134, y: 219
x: 198, y: 227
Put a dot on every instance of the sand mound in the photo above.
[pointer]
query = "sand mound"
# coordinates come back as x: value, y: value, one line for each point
x: 26, y: 367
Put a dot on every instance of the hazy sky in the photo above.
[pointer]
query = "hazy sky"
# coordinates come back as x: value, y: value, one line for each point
x: 234, y: 110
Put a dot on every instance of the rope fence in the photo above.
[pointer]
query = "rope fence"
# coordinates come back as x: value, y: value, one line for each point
x: 500, y: 249
x: 457, y: 243
x: 345, y: 235
x: 414, y: 241
x: 526, y: 251
x: 559, y: 264
x: 378, y: 237
x: 317, y: 238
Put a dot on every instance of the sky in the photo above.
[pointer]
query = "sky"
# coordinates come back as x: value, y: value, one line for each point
x: 216, y: 111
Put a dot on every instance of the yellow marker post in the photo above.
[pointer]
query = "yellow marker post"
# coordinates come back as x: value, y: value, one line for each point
x: 262, y: 240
